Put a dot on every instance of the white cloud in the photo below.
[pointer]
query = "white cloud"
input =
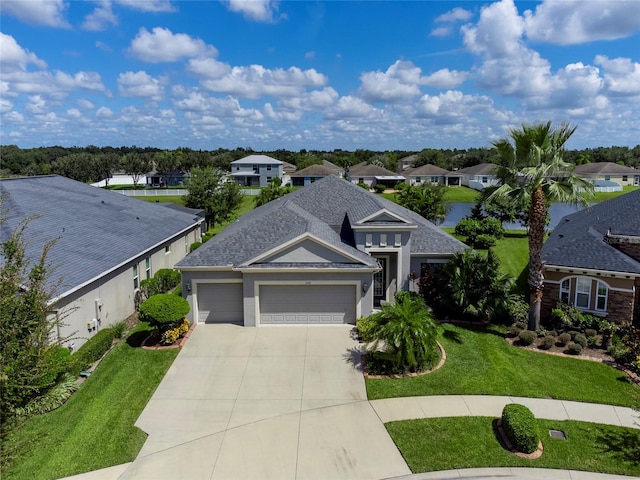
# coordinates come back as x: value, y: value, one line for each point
x: 441, y: 32
x: 5, y: 105
x: 578, y: 21
x: 140, y: 84
x: 310, y: 54
x: 453, y: 106
x: 103, y: 46
x: 36, y: 105
x: 195, y: 103
x: 290, y: 116
x: 445, y: 78
x: 14, y: 57
x: 257, y: 10
x: 49, y: 13
x: 162, y: 45
x: 104, y: 112
x: 498, y: 33
x: 398, y: 84
x: 84, y: 103
x: 84, y: 80
x: 74, y: 113
x: 456, y: 15
x: 13, y: 117
x: 349, y: 107
x: 101, y: 18
x: 621, y: 75
x: 148, y: 5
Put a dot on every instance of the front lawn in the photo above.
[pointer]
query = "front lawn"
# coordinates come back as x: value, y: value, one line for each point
x: 95, y: 428
x: 602, y: 196
x: 470, y: 442
x: 481, y: 362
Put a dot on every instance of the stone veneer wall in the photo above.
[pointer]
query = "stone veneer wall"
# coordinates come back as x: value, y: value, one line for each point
x: 620, y: 306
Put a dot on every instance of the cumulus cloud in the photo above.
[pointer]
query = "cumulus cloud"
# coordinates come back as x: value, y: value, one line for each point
x: 101, y: 18
x: 441, y: 32
x: 445, y: 78
x: 257, y: 10
x: 84, y: 103
x: 5, y: 105
x: 49, y: 13
x: 621, y: 75
x: 14, y: 57
x: 253, y: 81
x: 456, y: 15
x: 198, y: 105
x: 162, y: 45
x: 148, y: 5
x: 140, y: 84
x: 452, y: 106
x: 350, y: 107
x: 104, y: 112
x: 576, y: 21
x: 399, y: 83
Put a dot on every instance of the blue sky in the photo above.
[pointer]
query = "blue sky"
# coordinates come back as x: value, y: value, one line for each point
x: 316, y: 75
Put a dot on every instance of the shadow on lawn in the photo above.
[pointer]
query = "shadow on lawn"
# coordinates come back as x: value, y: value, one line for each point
x: 136, y: 338
x: 624, y: 445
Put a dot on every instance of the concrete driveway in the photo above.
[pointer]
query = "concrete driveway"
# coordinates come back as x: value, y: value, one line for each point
x: 265, y: 403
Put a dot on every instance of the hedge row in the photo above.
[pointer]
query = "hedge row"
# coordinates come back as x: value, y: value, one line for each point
x: 520, y: 426
x: 92, y: 350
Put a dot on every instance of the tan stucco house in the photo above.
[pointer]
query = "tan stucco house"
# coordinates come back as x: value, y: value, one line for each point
x: 609, y: 172
x: 592, y: 260
x: 105, y: 245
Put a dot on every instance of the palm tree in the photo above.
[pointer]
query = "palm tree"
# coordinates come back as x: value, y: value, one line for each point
x: 532, y: 169
x: 409, y: 333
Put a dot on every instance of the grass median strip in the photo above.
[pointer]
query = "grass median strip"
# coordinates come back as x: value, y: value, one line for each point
x: 471, y: 442
x: 95, y: 428
x: 481, y: 362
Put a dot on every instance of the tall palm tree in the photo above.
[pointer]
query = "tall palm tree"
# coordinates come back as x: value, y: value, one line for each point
x: 532, y: 169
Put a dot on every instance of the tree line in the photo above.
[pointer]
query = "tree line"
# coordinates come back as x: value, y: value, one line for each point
x: 92, y: 164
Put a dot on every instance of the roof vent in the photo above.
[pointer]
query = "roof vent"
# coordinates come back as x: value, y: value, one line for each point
x: 101, y: 201
x: 560, y: 236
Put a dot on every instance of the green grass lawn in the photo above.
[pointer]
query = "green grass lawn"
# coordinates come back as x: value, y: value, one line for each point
x: 481, y: 362
x: 177, y: 199
x: 602, y: 196
x: 471, y: 442
x: 95, y: 428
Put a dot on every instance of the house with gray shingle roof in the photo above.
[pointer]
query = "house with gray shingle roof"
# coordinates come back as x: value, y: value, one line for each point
x: 608, y: 172
x: 256, y: 170
x: 105, y: 244
x: 373, y: 175
x: 479, y: 176
x: 426, y: 174
x: 592, y: 260
x: 327, y: 253
x: 311, y: 174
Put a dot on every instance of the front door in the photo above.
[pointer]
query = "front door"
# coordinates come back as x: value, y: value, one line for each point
x: 380, y: 283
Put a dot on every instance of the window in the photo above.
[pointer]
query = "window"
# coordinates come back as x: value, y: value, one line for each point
x: 485, y: 179
x: 268, y: 168
x: 565, y: 290
x: 607, y: 177
x: 418, y: 179
x: 269, y: 179
x: 601, y: 297
x: 383, y: 239
x: 434, y: 179
x: 361, y: 180
x: 368, y: 240
x: 398, y: 240
x: 147, y: 267
x: 625, y: 178
x: 167, y: 249
x: 136, y: 279
x: 583, y: 292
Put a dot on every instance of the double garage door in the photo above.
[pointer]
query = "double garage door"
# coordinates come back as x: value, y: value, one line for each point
x: 279, y: 304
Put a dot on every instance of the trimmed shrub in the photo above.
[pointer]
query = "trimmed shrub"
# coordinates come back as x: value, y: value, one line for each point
x: 405, y: 295
x: 553, y: 333
x: 363, y: 185
x: 484, y: 241
x: 574, y: 349
x: 520, y: 426
x: 467, y: 227
x: 167, y: 279
x: 590, y: 332
x: 592, y: 341
x: 206, y: 237
x: 491, y: 226
x: 581, y: 340
x: 521, y: 325
x: 513, y: 331
x: 194, y: 245
x: 548, y: 342
x: 563, y: 339
x: 527, y: 337
x: 366, y: 327
x: 164, y: 310
x: 379, y: 188
x: 573, y: 334
x: 92, y: 350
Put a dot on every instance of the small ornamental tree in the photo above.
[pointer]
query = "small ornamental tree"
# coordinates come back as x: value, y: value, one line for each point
x: 164, y: 311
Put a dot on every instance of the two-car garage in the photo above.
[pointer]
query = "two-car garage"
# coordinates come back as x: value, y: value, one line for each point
x: 275, y: 304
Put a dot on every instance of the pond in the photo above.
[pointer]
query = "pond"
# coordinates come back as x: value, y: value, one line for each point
x: 459, y: 210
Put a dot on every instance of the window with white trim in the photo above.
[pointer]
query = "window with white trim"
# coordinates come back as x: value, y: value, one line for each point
x: 398, y: 240
x: 147, y: 267
x: 136, y: 278
x: 583, y: 292
x: 167, y: 249
x: 602, y: 291
x: 565, y: 290
x: 368, y: 240
x: 383, y: 239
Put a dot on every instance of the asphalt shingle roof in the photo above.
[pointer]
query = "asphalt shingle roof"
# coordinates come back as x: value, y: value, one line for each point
x: 314, y: 171
x: 427, y: 169
x: 257, y: 159
x: 95, y: 229
x: 326, y: 209
x: 578, y: 240
x: 480, y: 169
x: 605, y: 168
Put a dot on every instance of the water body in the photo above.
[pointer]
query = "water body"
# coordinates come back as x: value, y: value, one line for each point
x: 459, y: 210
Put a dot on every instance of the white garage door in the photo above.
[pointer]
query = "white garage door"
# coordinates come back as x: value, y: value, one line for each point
x: 307, y: 304
x: 220, y: 303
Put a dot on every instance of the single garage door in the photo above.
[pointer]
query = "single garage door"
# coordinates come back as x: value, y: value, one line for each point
x: 220, y: 303
x: 307, y: 304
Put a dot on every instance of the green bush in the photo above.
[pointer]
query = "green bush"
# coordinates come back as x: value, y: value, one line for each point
x: 363, y: 185
x: 590, y: 332
x: 57, y: 360
x: 563, y: 339
x: 178, y: 291
x: 52, y: 398
x: 520, y: 426
x: 513, y: 331
x: 592, y: 341
x: 467, y: 227
x: 366, y: 328
x: 167, y: 279
x: 573, y: 334
x: 548, y: 342
x: 518, y: 311
x: 574, y: 348
x: 527, y: 337
x: 521, y: 325
x: 164, y: 310
x: 553, y: 333
x: 206, y: 237
x: 484, y: 241
x: 581, y: 340
x: 491, y: 226
x: 149, y: 287
x: 194, y: 245
x: 92, y: 350
x: 379, y: 188
x: 119, y: 329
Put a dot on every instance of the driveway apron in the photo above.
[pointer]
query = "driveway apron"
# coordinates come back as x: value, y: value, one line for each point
x: 284, y: 402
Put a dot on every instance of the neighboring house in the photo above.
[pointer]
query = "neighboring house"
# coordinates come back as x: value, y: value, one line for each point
x: 592, y: 260
x: 287, y: 170
x: 256, y: 170
x: 373, y: 175
x: 171, y: 179
x: 105, y: 245
x: 326, y: 253
x: 121, y: 178
x: 339, y: 171
x: 310, y: 175
x: 479, y: 176
x: 426, y: 174
x: 609, y: 172
x: 407, y: 162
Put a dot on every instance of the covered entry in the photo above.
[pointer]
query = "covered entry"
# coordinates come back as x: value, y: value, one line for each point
x: 220, y: 303
x: 307, y: 304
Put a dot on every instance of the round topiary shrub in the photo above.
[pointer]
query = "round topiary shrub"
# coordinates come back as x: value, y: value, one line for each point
x: 379, y: 188
x: 553, y: 333
x: 527, y: 337
x: 590, y: 332
x: 574, y: 349
x: 164, y: 310
x: 563, y: 339
x: 548, y: 342
x: 521, y: 325
x: 520, y: 427
x: 513, y: 331
x: 573, y: 334
x: 581, y: 340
